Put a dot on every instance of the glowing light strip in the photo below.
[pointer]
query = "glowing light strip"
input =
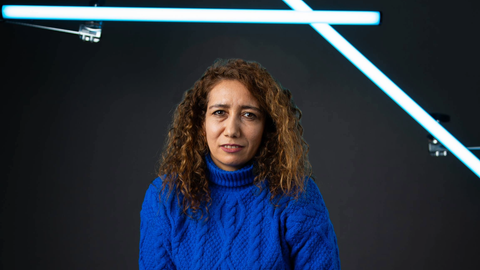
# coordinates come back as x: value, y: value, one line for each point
x: 188, y: 15
x: 392, y: 90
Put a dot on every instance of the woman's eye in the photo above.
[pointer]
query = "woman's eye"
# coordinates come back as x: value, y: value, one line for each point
x: 250, y: 115
x: 219, y: 112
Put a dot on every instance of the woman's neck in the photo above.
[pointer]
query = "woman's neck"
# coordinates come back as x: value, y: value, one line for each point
x: 238, y: 178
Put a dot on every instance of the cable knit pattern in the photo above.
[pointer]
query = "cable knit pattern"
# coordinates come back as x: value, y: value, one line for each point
x: 154, y: 226
x: 202, y: 235
x: 244, y: 231
x: 256, y: 229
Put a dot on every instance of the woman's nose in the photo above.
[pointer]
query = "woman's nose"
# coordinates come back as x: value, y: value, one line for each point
x: 232, y: 127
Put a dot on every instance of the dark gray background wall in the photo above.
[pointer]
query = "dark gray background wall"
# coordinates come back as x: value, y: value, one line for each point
x: 84, y: 124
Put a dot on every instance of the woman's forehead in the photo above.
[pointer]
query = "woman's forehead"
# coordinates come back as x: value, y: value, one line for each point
x: 231, y: 93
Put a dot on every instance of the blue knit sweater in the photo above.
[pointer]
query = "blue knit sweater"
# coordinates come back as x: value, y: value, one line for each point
x: 243, y: 231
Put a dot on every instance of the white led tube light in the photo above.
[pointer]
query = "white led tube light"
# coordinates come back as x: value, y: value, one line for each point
x: 392, y: 90
x: 10, y: 12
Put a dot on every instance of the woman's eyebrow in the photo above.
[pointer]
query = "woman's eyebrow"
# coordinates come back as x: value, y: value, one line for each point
x: 228, y: 106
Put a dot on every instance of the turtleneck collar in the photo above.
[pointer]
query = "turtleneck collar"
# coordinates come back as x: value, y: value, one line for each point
x: 238, y: 178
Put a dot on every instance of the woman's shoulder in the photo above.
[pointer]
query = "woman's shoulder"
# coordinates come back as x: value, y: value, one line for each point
x: 309, y: 198
x: 312, y: 189
x: 156, y: 184
x: 156, y: 191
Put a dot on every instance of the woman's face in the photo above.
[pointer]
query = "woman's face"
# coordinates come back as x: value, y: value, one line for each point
x: 233, y: 125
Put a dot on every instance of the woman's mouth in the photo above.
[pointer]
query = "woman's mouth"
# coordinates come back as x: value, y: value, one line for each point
x: 231, y: 148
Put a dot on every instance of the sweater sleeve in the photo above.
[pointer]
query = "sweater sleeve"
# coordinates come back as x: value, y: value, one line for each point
x: 310, y: 234
x: 154, y: 231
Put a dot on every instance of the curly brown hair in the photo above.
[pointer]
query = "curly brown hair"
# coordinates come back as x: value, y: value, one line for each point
x: 282, y: 157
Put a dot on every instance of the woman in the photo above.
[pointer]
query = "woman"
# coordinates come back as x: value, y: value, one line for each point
x: 234, y: 189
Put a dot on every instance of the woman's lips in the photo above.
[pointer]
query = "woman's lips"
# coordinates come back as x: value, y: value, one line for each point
x: 231, y: 150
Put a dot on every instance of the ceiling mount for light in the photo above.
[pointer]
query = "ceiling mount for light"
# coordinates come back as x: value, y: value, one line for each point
x: 435, y: 148
x: 90, y: 31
